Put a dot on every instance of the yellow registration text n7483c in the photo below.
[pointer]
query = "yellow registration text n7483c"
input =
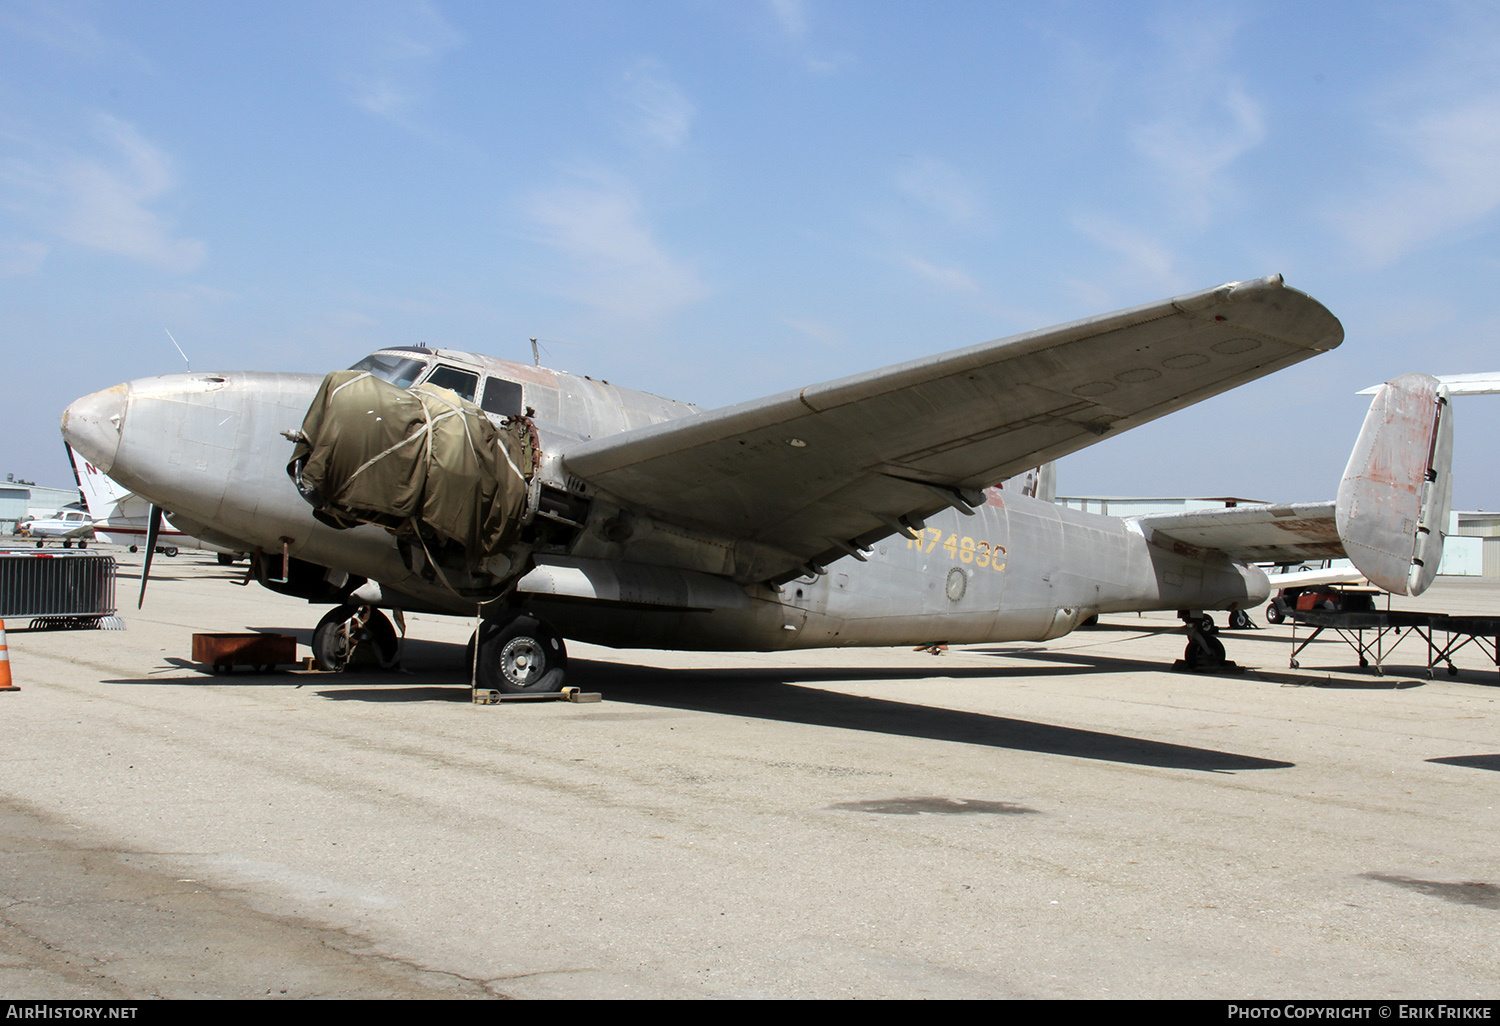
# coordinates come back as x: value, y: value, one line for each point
x: 960, y: 548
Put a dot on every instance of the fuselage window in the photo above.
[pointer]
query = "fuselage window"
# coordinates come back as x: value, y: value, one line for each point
x: 462, y: 382
x: 398, y: 370
x: 501, y: 397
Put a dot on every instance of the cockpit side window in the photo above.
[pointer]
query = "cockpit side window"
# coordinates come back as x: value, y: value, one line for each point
x: 398, y: 370
x: 460, y: 381
x: 501, y: 397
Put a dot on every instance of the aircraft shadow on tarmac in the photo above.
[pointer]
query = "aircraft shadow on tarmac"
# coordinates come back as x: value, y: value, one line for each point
x: 779, y: 694
x: 1485, y: 762
x: 773, y: 693
x: 1305, y: 677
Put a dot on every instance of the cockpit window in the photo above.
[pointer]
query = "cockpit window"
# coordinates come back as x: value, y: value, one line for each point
x: 398, y: 370
x: 462, y: 382
x: 501, y: 397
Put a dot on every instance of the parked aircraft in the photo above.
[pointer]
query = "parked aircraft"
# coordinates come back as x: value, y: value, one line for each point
x: 858, y: 512
x: 66, y: 525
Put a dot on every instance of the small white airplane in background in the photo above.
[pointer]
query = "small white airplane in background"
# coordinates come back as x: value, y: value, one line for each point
x: 66, y: 525
x: 118, y: 516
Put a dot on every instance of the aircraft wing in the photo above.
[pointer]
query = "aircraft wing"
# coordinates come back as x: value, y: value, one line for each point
x: 814, y: 474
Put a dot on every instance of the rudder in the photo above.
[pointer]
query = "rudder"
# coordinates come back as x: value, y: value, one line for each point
x: 1393, y: 502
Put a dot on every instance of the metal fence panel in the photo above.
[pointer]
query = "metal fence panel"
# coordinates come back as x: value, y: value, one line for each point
x: 56, y: 584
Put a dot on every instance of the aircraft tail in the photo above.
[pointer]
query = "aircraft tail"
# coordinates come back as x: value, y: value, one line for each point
x: 1393, y: 502
x: 104, y: 498
x: 1038, y: 483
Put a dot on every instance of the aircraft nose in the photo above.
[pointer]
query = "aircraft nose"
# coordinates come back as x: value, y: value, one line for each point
x: 92, y: 425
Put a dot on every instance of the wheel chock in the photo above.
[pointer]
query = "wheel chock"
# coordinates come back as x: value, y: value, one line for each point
x: 489, y: 696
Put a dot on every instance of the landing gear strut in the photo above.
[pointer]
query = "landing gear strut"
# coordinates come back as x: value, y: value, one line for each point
x: 1204, y: 652
x: 519, y: 654
x: 351, y: 635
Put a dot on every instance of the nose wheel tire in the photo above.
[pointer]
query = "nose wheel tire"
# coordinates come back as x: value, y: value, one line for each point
x: 351, y: 635
x: 520, y: 654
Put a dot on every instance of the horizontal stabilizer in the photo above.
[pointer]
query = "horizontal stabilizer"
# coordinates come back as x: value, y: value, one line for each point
x: 1280, y: 533
x: 1458, y: 384
x: 1309, y: 578
x: 1393, y: 502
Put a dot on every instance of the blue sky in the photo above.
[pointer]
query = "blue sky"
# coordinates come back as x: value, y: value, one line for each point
x: 719, y: 199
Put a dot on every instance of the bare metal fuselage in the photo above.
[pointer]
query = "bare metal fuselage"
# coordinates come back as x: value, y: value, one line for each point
x: 210, y: 450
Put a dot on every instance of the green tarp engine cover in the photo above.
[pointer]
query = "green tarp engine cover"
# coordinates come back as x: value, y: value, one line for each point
x: 420, y: 459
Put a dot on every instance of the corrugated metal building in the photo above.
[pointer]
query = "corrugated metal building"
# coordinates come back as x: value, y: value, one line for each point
x: 21, y: 500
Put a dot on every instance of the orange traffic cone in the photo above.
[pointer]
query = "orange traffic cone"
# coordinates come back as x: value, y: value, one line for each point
x: 5, y: 684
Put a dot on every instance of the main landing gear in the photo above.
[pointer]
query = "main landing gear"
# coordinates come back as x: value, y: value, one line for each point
x: 519, y: 654
x: 1204, y: 652
x: 350, y: 635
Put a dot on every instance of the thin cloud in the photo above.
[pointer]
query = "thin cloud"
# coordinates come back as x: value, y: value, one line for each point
x: 1446, y: 182
x: 817, y: 331
x: 614, y: 262
x: 1146, y: 263
x: 51, y: 26
x: 105, y: 200
x: 1206, y: 119
x: 791, y: 15
x: 1194, y: 149
x: 21, y: 256
x: 659, y: 112
x: 950, y: 279
x: 400, y: 43
x: 939, y: 188
x: 794, y: 19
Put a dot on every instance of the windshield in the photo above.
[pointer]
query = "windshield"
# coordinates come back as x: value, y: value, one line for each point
x: 400, y: 371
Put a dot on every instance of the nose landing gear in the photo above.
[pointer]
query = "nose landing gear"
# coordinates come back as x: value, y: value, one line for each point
x: 354, y: 636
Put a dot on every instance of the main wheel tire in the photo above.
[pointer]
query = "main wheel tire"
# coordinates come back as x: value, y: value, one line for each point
x: 520, y: 654
x: 1239, y: 620
x: 1210, y: 655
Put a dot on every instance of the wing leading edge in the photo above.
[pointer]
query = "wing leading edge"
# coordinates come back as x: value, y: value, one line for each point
x: 818, y: 473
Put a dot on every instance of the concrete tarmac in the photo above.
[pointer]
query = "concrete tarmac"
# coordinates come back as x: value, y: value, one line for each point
x: 1060, y: 819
